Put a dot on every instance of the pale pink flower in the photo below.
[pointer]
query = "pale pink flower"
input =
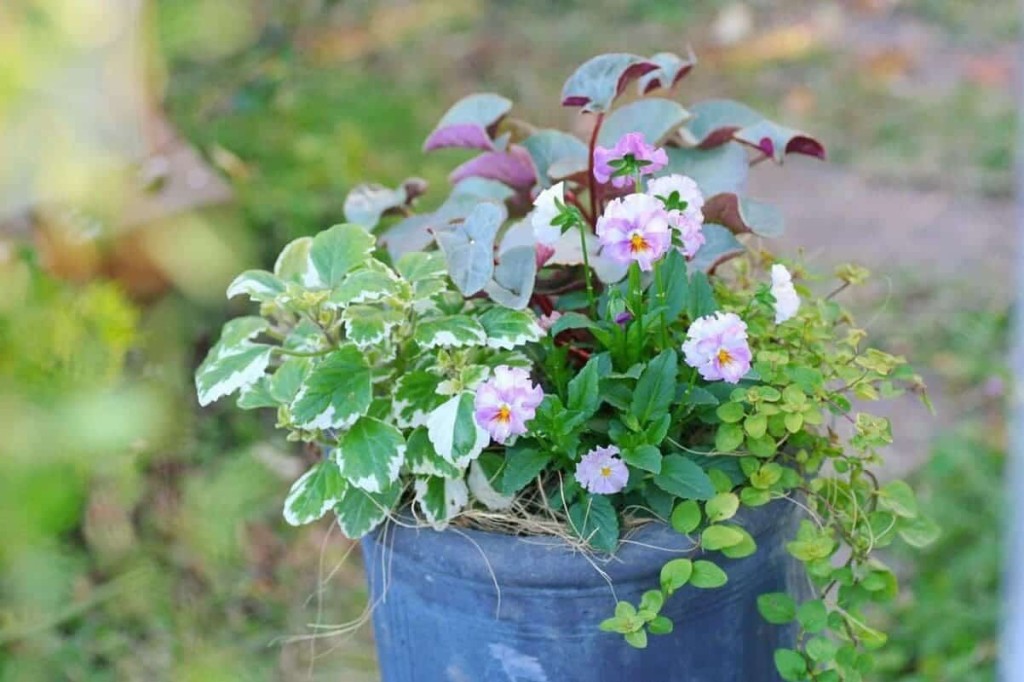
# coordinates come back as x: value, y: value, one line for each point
x: 684, y: 203
x: 635, y: 228
x: 545, y: 210
x: 546, y: 322
x: 787, y: 302
x: 716, y: 346
x: 506, y: 401
x: 602, y: 472
x: 631, y: 144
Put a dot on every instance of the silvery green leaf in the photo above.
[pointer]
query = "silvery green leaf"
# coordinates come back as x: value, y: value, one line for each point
x: 258, y: 285
x: 368, y: 326
x: 596, y: 83
x: 483, y: 489
x: 469, y: 122
x: 717, y: 170
x: 671, y: 69
x: 469, y: 247
x: 483, y: 189
x: 451, y: 331
x: 719, y: 245
x: 718, y: 121
x: 415, y: 396
x: 514, y: 277
x: 654, y: 117
x: 454, y: 433
x: 336, y: 392
x: 421, y: 458
x: 548, y: 147
x: 741, y: 215
x: 409, y: 235
x: 314, y: 493
x: 440, y: 499
x: 366, y: 203
x: 362, y: 286
x: 338, y: 250
x: 359, y: 512
x: 370, y: 454
x: 507, y: 328
x: 294, y: 265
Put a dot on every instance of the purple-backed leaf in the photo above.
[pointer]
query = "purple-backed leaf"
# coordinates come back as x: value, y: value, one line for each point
x: 365, y: 204
x: 514, y: 168
x: 548, y: 148
x: 468, y: 247
x: 776, y: 141
x: 742, y: 215
x: 596, y: 84
x: 722, y: 169
x: 719, y: 246
x: 514, y: 277
x: 671, y: 69
x: 655, y: 118
x: 469, y: 123
x: 716, y: 122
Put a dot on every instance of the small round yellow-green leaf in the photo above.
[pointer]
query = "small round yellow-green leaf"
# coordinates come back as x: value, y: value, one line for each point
x: 718, y: 537
x: 686, y: 517
x: 722, y: 507
x: 707, y: 575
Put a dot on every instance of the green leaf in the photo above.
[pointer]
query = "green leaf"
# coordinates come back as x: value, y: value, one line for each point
x: 508, y: 329
x: 730, y: 412
x: 421, y: 457
x: 469, y: 247
x: 258, y: 285
x: 454, y: 432
x: 702, y: 297
x: 369, y: 326
x: 227, y: 372
x: 522, y: 465
x: 707, y: 575
x: 637, y: 639
x: 420, y: 266
x: 584, y: 389
x: 294, y: 264
x: 652, y: 600
x: 790, y: 664
x: 686, y: 517
x: 415, y: 397
x: 285, y: 383
x: 820, y: 650
x: 370, y: 454
x: 722, y: 507
x: 656, y: 389
x: 674, y: 277
x: 660, y: 626
x: 514, y: 277
x: 675, y: 574
x: 899, y: 498
x: 440, y: 499
x: 598, y: 81
x: 752, y: 497
x: 756, y: 425
x: 594, y: 520
x: 256, y: 396
x: 684, y: 479
x: 728, y: 437
x: 919, y: 532
x: 452, y: 331
x: 719, y: 537
x: 646, y: 457
x: 482, y: 478
x: 655, y: 118
x: 315, y: 492
x: 359, y: 512
x: 336, y: 392
x: 338, y: 250
x: 812, y: 615
x: 776, y: 607
x: 366, y: 285
x: 742, y: 549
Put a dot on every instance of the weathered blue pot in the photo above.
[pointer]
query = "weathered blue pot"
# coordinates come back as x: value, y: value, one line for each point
x: 470, y: 606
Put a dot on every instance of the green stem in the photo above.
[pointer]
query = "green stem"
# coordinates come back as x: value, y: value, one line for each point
x: 659, y: 282
x: 591, y: 301
x: 636, y: 295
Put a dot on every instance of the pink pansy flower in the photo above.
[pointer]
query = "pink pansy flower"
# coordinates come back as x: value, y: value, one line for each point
x: 602, y: 472
x: 787, y: 302
x: 631, y: 144
x: 546, y: 322
x: 635, y: 228
x: 716, y: 346
x: 506, y: 401
x: 689, y: 221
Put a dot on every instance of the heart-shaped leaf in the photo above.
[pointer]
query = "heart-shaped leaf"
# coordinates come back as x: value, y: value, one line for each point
x: 719, y: 246
x: 549, y: 148
x: 716, y: 122
x: 514, y: 277
x: 655, y: 118
x: 742, y: 215
x: 366, y: 203
x: 469, y: 123
x: 469, y: 247
x: 513, y: 167
x: 721, y: 169
x: 596, y: 84
x: 671, y: 69
x: 775, y: 141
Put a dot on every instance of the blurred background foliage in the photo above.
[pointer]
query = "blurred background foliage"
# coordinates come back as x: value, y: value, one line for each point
x: 156, y: 148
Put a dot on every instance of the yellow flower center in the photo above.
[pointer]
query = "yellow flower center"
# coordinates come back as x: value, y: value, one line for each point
x: 638, y: 243
x: 606, y: 471
x: 724, y: 358
x: 504, y: 414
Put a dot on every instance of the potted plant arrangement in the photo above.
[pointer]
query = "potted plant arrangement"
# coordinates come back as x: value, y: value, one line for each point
x: 583, y: 430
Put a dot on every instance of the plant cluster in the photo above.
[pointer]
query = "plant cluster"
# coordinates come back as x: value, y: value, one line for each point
x: 577, y: 333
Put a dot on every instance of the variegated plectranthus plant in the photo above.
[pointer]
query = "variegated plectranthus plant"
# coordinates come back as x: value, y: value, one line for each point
x: 583, y: 332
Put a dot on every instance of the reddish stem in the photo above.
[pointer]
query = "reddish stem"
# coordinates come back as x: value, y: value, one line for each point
x: 591, y: 181
x: 543, y: 302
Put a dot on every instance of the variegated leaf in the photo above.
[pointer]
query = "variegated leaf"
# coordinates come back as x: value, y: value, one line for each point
x: 422, y: 459
x: 451, y: 331
x: 370, y: 454
x: 415, y: 396
x: 362, y: 286
x: 454, y: 433
x: 507, y: 328
x: 336, y: 392
x: 258, y: 285
x: 315, y: 492
x: 338, y: 250
x: 367, y: 325
x: 359, y: 512
x: 440, y: 499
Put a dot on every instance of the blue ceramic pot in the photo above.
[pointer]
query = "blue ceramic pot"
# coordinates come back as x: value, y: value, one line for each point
x: 469, y: 606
